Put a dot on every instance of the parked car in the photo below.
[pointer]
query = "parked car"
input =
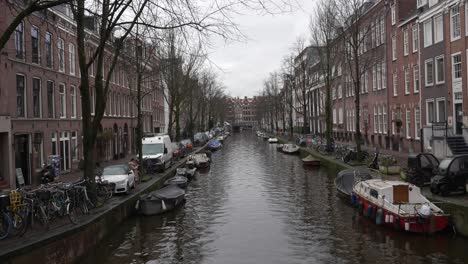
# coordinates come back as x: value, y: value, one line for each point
x: 188, y: 145
x: 178, y: 151
x: 200, y: 138
x: 121, y: 175
x: 157, y: 153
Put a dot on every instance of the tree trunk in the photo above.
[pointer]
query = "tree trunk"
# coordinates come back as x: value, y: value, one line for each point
x: 357, y: 101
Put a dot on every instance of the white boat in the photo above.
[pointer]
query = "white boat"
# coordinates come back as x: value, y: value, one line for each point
x: 200, y: 160
x: 273, y: 140
x: 399, y: 205
x: 290, y: 149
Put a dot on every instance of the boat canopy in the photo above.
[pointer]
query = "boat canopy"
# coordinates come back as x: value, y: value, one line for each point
x: 168, y: 192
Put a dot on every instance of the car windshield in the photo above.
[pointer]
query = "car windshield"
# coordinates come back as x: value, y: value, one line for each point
x: 444, y: 165
x: 153, y: 149
x: 115, y: 170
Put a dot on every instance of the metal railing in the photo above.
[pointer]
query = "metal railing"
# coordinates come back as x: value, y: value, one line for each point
x: 440, y: 129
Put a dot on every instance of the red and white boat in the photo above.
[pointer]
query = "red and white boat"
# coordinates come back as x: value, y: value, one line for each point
x: 399, y: 205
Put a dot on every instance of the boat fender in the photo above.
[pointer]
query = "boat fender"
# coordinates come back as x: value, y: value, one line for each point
x: 353, y: 199
x: 396, y: 223
x: 370, y: 209
x: 407, y: 226
x: 390, y: 219
x: 163, y: 205
x: 360, y: 207
x: 379, y: 216
x: 387, y: 218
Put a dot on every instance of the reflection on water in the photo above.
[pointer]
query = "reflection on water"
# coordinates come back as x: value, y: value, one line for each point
x: 257, y: 205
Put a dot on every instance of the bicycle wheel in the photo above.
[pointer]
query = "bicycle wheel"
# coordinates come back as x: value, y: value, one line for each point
x: 41, y: 216
x: 5, y: 225
x: 19, y: 224
x: 72, y: 212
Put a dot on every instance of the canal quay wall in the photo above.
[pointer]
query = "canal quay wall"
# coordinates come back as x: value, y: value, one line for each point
x: 69, y: 244
x: 456, y: 206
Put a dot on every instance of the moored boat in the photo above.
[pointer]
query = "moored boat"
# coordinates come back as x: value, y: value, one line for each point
x: 160, y: 201
x: 189, y: 173
x: 346, y: 179
x: 399, y: 205
x: 272, y: 140
x: 290, y: 149
x: 279, y: 147
x: 214, y: 144
x: 180, y: 181
x: 311, y: 161
x: 200, y: 160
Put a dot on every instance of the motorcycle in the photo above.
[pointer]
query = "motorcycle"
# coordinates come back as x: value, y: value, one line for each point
x: 46, y: 174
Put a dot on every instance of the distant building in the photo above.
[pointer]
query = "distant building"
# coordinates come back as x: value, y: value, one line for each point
x: 241, y: 112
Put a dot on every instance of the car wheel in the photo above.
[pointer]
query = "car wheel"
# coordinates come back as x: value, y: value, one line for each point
x: 444, y: 190
x: 127, y: 190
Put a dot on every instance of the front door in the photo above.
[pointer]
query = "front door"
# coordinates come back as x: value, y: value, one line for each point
x: 22, y: 156
x: 458, y: 118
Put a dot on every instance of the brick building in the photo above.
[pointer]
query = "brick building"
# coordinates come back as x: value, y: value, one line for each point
x: 40, y: 99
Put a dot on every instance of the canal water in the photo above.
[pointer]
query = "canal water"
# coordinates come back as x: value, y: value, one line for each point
x: 257, y: 205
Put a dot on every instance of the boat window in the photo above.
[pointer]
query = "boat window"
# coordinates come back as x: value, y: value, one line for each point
x: 374, y: 193
x: 464, y: 164
x: 425, y: 162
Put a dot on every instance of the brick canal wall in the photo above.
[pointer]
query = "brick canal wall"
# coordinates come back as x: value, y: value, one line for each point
x: 456, y: 206
x: 71, y: 243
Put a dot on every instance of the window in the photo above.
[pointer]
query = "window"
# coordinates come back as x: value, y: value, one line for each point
x: 438, y: 29
x: 91, y: 67
x: 36, y: 97
x: 417, y: 122
x: 50, y: 100
x: 73, y: 101
x: 74, y: 145
x: 455, y: 23
x: 63, y: 101
x: 405, y: 42
x: 71, y: 53
x: 415, y: 37
x: 429, y: 112
x: 395, y: 84
x: 384, y: 75
x: 408, y: 123
x: 366, y: 82
x: 393, y: 15
x: 379, y: 108
x: 61, y: 55
x: 382, y: 30
x: 421, y: 3
x: 379, y: 76
x: 416, y: 78
x: 440, y: 72
x: 428, y: 33
x: 384, y: 117
x: 35, y: 44
x: 407, y: 80
x: 20, y: 96
x: 93, y: 100
x: 429, y: 72
x: 375, y: 119
x: 19, y: 41
x: 374, y: 77
x: 340, y: 115
x: 433, y: 2
x: 340, y: 92
x: 441, y: 110
x: 394, y: 48
x: 334, y: 116
x: 48, y: 50
x: 456, y: 67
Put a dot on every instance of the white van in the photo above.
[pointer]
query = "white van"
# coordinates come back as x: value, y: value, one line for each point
x: 158, y: 148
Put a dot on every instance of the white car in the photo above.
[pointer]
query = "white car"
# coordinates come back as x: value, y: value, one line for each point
x: 121, y: 175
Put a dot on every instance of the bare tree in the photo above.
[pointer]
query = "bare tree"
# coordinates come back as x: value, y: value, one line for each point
x: 287, y: 69
x: 302, y: 63
x: 324, y: 27
x: 354, y: 32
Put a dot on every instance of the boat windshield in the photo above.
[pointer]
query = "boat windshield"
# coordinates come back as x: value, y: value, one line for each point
x: 153, y: 149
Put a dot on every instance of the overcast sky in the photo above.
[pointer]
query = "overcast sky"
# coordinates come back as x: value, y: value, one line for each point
x: 246, y: 64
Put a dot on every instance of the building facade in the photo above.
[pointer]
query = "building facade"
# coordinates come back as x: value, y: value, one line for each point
x: 40, y: 98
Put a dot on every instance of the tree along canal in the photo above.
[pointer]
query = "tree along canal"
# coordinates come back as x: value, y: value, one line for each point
x: 257, y: 205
